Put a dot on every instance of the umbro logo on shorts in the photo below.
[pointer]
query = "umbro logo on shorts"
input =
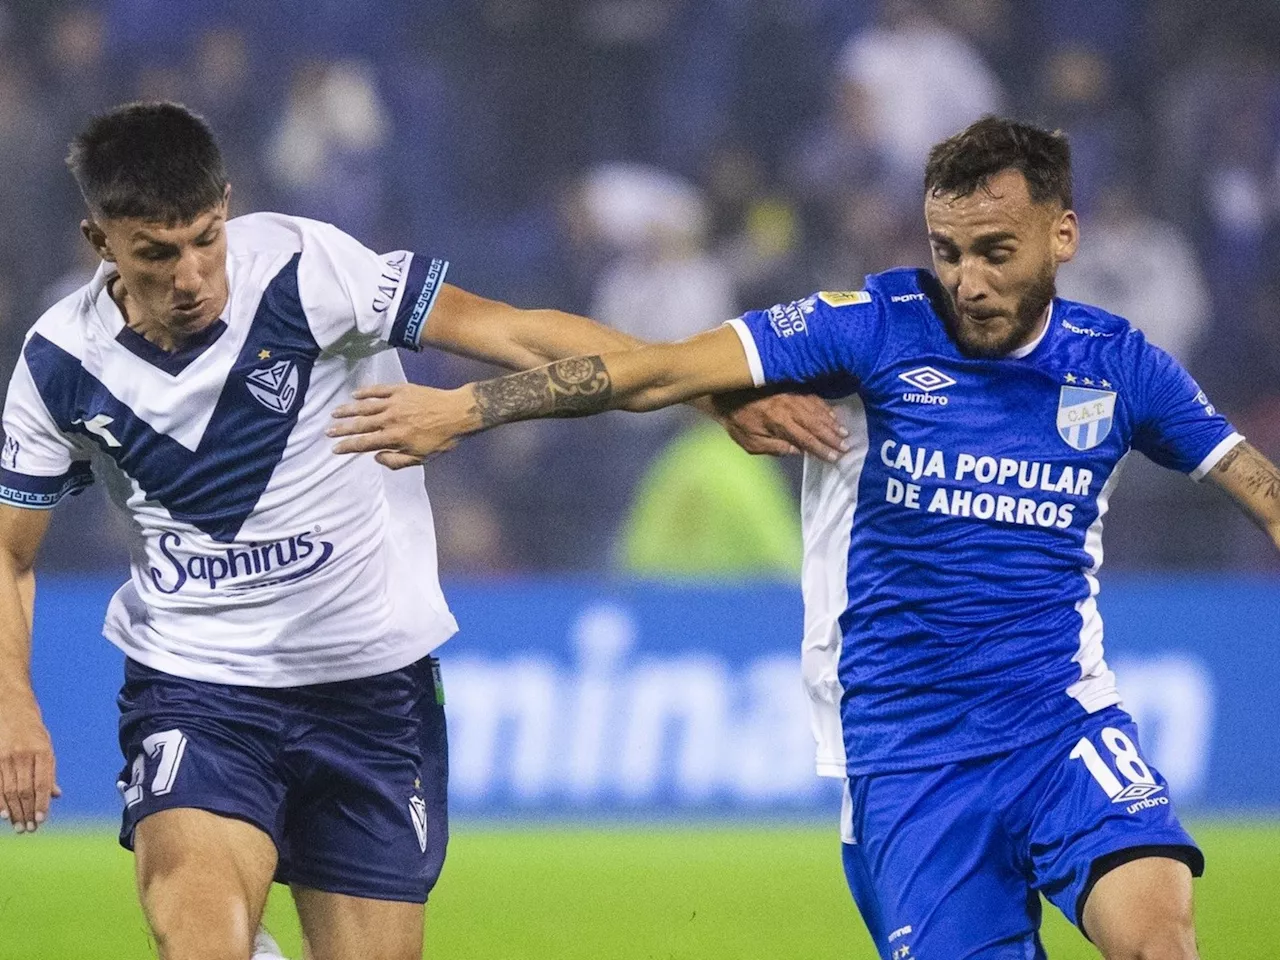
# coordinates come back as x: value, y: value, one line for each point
x: 418, y: 813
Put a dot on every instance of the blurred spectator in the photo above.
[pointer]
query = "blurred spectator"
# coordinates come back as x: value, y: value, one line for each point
x: 663, y: 285
x: 1079, y: 96
x: 757, y: 230
x: 327, y: 151
x: 224, y: 89
x: 1141, y: 268
x: 33, y: 227
x: 707, y: 510
x: 870, y: 230
x: 922, y: 80
x: 844, y: 149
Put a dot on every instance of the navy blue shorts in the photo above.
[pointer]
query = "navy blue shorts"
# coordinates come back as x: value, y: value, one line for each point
x: 349, y: 779
x: 950, y: 861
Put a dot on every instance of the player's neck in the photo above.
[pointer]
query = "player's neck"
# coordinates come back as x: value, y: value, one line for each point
x: 151, y: 329
x: 1033, y: 339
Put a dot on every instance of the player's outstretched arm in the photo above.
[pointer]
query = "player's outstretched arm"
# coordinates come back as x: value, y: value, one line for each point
x: 26, y: 752
x: 405, y: 423
x: 472, y: 326
x: 1253, y: 481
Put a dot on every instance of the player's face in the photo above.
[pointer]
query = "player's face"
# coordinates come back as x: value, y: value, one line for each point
x: 996, y: 253
x: 173, y: 279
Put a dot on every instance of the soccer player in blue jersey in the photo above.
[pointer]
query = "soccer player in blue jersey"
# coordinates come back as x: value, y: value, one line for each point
x: 952, y: 645
x: 282, y: 713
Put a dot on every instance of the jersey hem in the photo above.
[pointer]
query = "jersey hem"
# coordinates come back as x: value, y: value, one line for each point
x: 832, y: 768
x: 1215, y: 456
x: 919, y: 762
x: 752, y: 351
x: 211, y: 673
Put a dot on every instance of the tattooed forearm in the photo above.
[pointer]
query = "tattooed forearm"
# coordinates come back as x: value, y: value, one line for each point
x: 577, y: 387
x: 1254, y: 473
x: 1253, y: 482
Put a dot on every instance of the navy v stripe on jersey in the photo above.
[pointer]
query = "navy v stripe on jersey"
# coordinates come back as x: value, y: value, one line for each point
x: 172, y: 363
x: 216, y: 486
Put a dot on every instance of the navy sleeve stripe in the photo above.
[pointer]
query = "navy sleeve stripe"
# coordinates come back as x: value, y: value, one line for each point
x: 41, y: 493
x: 426, y: 277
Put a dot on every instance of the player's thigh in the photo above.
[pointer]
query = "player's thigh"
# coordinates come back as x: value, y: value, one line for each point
x: 341, y: 927
x: 203, y: 881
x: 1099, y: 804
x: 933, y: 869
x: 1143, y: 908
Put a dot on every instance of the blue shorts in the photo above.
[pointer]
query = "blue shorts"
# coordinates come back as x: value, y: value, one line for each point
x: 950, y: 861
x: 348, y: 779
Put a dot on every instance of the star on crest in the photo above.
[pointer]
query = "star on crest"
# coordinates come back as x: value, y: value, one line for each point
x: 264, y: 354
x: 1105, y: 383
x: 1088, y: 381
x: 1071, y: 378
x: 417, y: 783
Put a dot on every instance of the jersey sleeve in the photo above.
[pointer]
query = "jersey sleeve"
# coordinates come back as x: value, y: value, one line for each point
x: 39, y: 464
x: 358, y: 301
x: 1176, y: 425
x: 825, y: 335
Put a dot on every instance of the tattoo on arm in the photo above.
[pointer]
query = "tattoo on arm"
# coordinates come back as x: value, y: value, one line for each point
x: 1257, y: 474
x: 577, y: 387
x: 1229, y: 458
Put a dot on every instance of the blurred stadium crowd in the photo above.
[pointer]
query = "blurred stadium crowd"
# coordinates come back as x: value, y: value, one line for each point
x: 662, y: 165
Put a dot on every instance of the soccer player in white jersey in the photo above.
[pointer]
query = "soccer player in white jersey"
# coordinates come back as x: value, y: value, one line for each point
x: 953, y: 646
x: 282, y: 716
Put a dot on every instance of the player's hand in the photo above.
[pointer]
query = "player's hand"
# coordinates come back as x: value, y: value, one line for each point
x: 403, y: 423
x: 782, y: 423
x: 26, y: 765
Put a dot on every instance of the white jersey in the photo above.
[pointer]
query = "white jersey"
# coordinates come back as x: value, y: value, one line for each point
x: 258, y: 556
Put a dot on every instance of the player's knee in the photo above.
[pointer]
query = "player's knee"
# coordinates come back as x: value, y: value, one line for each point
x: 194, y: 919
x: 1171, y: 940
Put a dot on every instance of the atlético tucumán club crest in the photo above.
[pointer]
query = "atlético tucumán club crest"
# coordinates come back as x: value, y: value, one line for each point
x: 1085, y: 416
x: 274, y: 385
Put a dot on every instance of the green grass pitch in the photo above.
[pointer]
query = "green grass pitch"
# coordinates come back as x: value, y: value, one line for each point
x: 610, y: 893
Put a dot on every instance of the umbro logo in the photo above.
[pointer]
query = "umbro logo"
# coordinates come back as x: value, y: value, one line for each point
x: 418, y: 813
x: 275, y: 385
x: 927, y: 380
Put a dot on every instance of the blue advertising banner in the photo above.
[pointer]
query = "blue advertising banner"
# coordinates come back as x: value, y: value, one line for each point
x: 589, y: 698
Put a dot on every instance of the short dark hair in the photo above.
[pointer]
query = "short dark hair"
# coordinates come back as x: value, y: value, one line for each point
x: 151, y: 161
x: 967, y: 161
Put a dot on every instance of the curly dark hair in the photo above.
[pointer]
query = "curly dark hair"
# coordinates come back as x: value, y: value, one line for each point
x: 967, y: 161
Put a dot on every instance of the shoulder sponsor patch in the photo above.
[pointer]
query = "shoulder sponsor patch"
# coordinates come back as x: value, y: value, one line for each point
x: 844, y: 298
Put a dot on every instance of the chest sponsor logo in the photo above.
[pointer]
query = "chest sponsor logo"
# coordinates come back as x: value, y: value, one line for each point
x: 1085, y: 416
x: 275, y: 385
x: 239, y: 568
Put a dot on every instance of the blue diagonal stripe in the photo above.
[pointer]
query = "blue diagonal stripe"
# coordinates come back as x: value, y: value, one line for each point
x: 217, y: 486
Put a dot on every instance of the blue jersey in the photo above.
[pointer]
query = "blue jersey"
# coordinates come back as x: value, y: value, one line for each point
x: 951, y: 556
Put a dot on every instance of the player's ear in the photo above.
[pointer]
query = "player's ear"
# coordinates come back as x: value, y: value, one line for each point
x: 97, y: 238
x: 1066, y: 236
